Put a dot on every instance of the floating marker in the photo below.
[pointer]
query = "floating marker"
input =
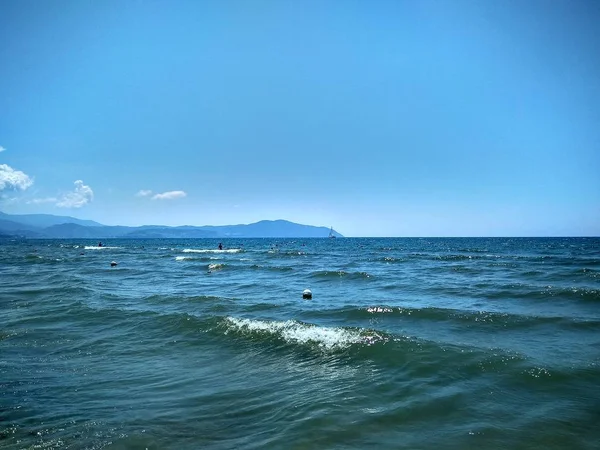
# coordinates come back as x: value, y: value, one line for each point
x: 306, y: 294
x: 113, y: 264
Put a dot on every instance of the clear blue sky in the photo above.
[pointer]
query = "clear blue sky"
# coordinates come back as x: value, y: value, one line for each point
x: 381, y: 118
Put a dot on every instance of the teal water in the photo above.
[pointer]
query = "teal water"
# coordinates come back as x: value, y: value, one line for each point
x: 406, y: 344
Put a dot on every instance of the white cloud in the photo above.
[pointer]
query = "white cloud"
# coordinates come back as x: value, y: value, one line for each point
x: 38, y: 201
x: 170, y: 195
x: 13, y: 179
x: 81, y: 196
x: 143, y: 193
x: 2, y: 149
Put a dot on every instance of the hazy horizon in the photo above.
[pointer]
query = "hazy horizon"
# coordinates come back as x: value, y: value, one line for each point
x: 316, y: 225
x: 464, y: 118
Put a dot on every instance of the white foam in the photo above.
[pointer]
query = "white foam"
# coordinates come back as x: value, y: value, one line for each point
x: 300, y: 333
x: 191, y: 258
x: 95, y: 247
x: 215, y: 266
x: 379, y: 309
x: 206, y: 250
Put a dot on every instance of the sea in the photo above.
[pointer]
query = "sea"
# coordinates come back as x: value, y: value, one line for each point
x: 406, y: 343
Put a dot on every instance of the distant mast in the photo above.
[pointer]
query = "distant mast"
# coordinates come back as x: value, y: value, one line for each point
x: 331, y: 235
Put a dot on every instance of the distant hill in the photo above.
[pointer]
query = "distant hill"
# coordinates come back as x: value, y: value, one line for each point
x: 46, y: 220
x: 73, y: 230
x: 64, y: 227
x: 11, y: 228
x: 273, y: 228
x: 171, y: 233
x: 11, y: 225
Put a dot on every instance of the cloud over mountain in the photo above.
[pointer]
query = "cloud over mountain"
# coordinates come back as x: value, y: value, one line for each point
x: 79, y: 197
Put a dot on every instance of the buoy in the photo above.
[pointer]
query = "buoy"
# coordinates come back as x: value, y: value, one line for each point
x: 306, y: 294
x: 113, y: 264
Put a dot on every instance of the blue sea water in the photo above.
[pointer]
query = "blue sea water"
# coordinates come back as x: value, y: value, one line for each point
x: 406, y: 344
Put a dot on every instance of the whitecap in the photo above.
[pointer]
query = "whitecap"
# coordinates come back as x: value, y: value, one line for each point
x: 294, y: 332
x: 95, y: 247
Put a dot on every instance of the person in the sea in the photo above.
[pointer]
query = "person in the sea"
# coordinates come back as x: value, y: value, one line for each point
x: 220, y: 246
x: 99, y: 244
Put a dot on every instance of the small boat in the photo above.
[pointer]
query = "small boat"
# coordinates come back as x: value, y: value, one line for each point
x: 331, y: 235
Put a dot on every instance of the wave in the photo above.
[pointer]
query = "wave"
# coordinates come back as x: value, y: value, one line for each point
x: 205, y: 250
x: 347, y: 345
x: 468, y: 318
x: 541, y: 293
x: 68, y: 246
x: 294, y: 332
x: 216, y: 266
x: 350, y: 345
x: 255, y: 332
x: 326, y: 274
x: 392, y: 259
x: 272, y: 268
x: 472, y: 250
x: 590, y: 273
x: 286, y: 253
x: 555, y: 260
x: 163, y: 299
x: 38, y: 259
x: 455, y: 257
x: 238, y: 267
x: 52, y: 290
x: 95, y: 247
x: 573, y: 293
x: 196, y: 258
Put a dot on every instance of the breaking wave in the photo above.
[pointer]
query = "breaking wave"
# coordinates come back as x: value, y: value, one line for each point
x: 295, y: 332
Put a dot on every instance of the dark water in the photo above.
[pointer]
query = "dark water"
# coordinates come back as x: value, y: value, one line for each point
x: 407, y: 343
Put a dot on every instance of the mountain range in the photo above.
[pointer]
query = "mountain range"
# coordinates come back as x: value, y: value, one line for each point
x: 47, y: 226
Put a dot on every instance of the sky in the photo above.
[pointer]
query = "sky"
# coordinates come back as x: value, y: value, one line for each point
x: 379, y: 118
